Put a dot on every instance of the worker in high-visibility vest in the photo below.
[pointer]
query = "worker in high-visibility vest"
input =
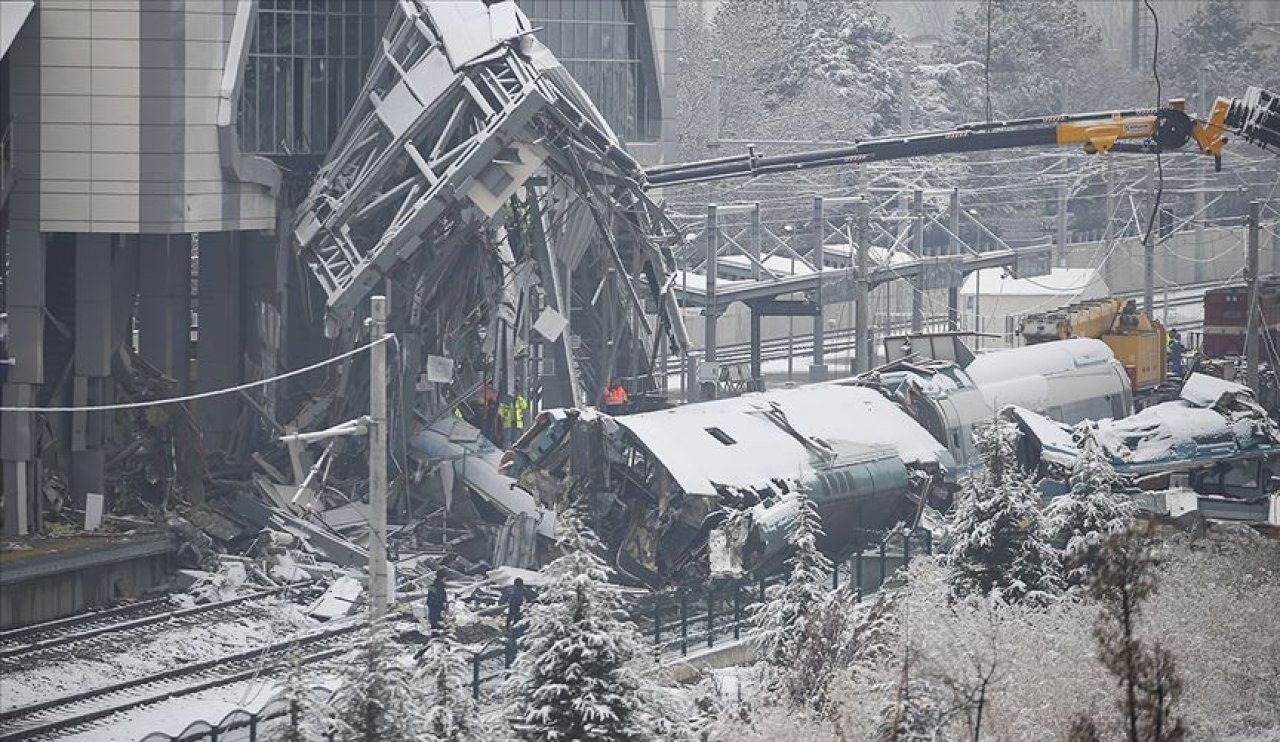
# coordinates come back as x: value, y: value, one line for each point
x: 615, y: 398
x: 512, y: 410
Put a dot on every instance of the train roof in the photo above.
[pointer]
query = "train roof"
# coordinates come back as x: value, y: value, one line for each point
x: 1043, y: 359
x: 742, y: 442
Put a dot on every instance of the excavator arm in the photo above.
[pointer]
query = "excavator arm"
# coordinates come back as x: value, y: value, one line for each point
x: 1256, y: 117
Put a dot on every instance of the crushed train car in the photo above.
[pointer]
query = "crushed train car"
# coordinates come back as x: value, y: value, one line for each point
x: 664, y: 486
x: 949, y: 391
x: 711, y: 486
x: 1216, y: 435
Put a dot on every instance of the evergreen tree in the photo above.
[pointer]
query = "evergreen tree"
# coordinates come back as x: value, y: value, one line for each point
x: 783, y: 619
x: 306, y: 721
x: 855, y: 48
x: 444, y: 676
x: 1147, y: 675
x: 764, y: 46
x: 577, y: 679
x: 1036, y: 46
x: 1217, y: 41
x: 378, y: 700
x: 998, y: 550
x: 1079, y: 521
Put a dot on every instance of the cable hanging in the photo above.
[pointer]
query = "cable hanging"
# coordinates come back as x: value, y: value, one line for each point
x: 211, y: 393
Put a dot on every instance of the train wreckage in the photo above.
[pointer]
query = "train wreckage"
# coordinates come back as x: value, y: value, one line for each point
x: 711, y: 487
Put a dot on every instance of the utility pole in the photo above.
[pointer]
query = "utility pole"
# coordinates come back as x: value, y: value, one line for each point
x: 711, y: 310
x: 907, y: 100
x: 862, y: 298
x: 1135, y: 34
x: 755, y: 243
x: 1062, y: 226
x: 378, y: 458
x: 917, y: 286
x: 1251, y: 339
x: 1149, y: 248
x: 717, y: 80
x: 953, y: 291
x: 818, y: 369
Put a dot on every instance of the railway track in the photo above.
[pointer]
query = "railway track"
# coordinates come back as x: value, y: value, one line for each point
x: 17, y: 643
x: 56, y: 718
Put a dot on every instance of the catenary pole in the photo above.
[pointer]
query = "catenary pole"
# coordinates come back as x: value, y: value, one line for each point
x: 1251, y: 332
x: 378, y: 460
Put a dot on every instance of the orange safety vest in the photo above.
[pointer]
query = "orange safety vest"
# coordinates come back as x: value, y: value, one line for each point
x: 615, y: 395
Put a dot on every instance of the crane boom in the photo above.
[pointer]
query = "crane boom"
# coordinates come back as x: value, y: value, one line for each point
x: 1256, y: 117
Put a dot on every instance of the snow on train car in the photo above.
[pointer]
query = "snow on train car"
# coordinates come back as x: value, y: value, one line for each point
x: 1066, y: 380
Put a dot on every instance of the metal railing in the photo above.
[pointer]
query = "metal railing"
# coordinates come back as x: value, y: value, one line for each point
x: 675, y: 622
x: 681, y: 620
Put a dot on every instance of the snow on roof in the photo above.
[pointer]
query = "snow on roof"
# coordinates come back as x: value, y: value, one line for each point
x: 1049, y: 432
x: 1060, y: 282
x: 778, y: 264
x: 1042, y: 359
x: 878, y: 255
x: 732, y: 443
x: 696, y: 281
x: 1172, y: 430
x: 1206, y: 391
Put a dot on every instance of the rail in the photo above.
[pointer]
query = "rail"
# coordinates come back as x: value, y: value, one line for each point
x: 95, y: 625
x: 55, y: 718
x: 674, y: 622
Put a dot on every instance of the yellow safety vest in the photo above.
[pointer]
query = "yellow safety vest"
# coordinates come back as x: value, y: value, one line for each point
x: 511, y: 412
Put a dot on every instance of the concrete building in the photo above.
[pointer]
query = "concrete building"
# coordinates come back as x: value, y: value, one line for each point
x: 152, y: 153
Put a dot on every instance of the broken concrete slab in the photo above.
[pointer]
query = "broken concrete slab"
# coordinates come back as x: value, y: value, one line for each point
x: 339, y: 600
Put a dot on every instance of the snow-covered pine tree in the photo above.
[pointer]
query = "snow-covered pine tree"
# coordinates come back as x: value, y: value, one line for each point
x: 577, y: 677
x: 306, y: 720
x: 377, y: 700
x: 1035, y: 44
x: 855, y: 47
x: 444, y: 675
x: 998, y: 549
x: 781, y: 620
x: 1079, y: 521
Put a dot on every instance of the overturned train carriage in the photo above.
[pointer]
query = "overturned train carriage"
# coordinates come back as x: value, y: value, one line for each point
x: 677, y: 492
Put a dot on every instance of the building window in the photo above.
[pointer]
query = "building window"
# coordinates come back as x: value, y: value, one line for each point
x: 305, y: 68
x: 599, y: 42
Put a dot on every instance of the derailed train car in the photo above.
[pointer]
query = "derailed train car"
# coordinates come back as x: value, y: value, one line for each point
x: 661, y: 483
x: 1067, y: 381
x: 1215, y: 435
x: 710, y: 487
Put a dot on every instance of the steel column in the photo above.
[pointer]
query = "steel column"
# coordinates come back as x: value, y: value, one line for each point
x: 818, y: 369
x: 711, y: 311
x: 917, y: 290
x: 862, y: 297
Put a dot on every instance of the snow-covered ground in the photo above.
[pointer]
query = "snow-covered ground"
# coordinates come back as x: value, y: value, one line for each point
x: 175, y: 715
x: 63, y: 671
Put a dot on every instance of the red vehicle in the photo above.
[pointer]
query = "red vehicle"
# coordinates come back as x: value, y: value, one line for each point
x: 1225, y: 318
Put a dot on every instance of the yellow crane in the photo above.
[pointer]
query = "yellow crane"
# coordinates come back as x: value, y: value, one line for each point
x: 1138, y: 341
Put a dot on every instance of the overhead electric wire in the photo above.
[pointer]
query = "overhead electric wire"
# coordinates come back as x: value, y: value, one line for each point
x: 1155, y: 72
x: 211, y: 393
